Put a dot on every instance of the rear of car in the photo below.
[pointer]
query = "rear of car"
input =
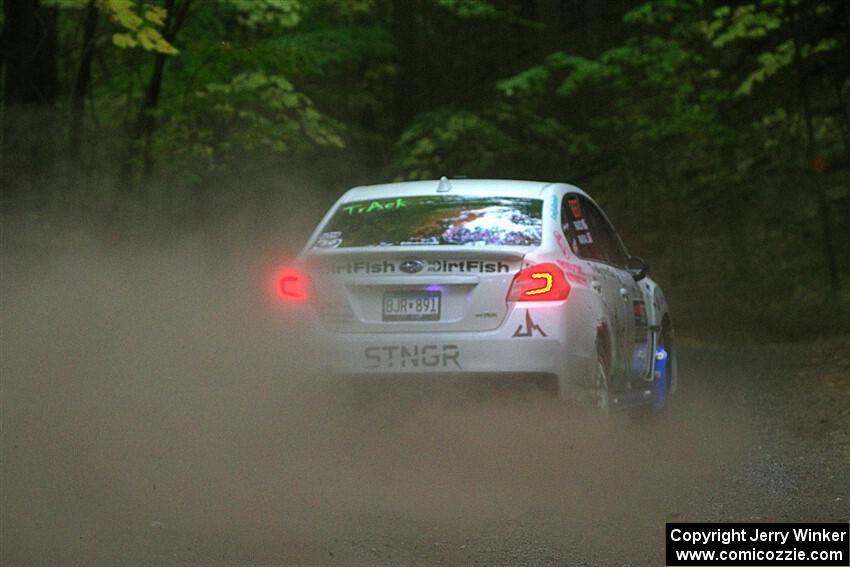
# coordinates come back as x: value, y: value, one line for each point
x: 435, y: 278
x: 485, y: 278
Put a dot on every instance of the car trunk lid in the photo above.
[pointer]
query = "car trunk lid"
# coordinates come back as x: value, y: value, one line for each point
x: 412, y: 289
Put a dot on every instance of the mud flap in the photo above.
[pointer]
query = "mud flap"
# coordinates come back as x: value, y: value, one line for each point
x: 659, y: 375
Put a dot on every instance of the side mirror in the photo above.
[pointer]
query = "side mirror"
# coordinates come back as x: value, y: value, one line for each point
x: 637, y: 267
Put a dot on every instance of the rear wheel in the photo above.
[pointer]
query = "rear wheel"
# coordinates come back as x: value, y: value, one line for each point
x: 665, y: 340
x: 657, y: 408
x: 602, y: 376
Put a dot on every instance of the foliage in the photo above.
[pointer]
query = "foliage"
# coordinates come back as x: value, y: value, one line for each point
x: 697, y: 122
x: 470, y: 8
x: 777, y: 21
x: 141, y: 30
x: 251, y: 112
x: 137, y: 24
x: 450, y: 142
x: 258, y: 13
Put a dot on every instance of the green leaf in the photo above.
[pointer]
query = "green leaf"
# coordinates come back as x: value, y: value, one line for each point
x: 770, y: 63
x: 124, y: 40
x: 137, y: 31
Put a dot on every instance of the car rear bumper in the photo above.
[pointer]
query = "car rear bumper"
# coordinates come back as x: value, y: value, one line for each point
x: 423, y: 353
x: 533, y: 340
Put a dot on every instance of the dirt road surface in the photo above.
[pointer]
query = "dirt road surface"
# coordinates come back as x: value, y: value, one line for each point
x: 157, y: 409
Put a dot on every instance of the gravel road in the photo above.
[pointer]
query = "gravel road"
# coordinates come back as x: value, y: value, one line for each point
x: 150, y: 414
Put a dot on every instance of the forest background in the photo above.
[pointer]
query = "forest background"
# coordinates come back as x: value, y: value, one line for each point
x: 716, y: 134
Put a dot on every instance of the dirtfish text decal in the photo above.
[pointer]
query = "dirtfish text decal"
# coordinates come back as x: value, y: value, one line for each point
x: 467, y: 266
x: 432, y: 266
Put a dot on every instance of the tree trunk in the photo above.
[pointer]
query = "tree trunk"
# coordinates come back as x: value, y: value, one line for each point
x: 843, y: 118
x: 682, y: 263
x: 812, y: 175
x: 407, y: 82
x: 735, y: 203
x: 31, y: 86
x: 81, y: 87
x: 145, y: 119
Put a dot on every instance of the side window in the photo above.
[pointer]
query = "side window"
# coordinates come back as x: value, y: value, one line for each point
x: 606, y: 239
x: 578, y: 229
x: 590, y: 236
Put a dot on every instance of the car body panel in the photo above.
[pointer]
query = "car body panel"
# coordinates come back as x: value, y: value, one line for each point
x: 477, y: 330
x: 471, y: 284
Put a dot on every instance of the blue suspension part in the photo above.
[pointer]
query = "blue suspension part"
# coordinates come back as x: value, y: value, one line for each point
x: 659, y: 382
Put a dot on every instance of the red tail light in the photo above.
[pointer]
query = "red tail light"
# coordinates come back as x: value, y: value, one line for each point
x: 293, y: 285
x: 541, y: 282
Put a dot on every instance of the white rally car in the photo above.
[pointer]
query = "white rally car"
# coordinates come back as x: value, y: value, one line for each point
x: 487, y: 278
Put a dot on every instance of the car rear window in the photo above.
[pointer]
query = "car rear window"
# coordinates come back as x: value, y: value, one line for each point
x: 435, y: 220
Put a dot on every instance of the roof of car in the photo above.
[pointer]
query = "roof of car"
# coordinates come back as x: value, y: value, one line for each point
x: 490, y: 187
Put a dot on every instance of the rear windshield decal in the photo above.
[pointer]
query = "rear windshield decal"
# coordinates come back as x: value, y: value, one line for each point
x: 359, y: 209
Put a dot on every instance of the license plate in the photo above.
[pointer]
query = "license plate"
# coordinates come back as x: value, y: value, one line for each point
x: 412, y: 305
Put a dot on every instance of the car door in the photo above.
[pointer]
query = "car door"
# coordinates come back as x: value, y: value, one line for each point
x: 584, y: 227
x: 635, y: 328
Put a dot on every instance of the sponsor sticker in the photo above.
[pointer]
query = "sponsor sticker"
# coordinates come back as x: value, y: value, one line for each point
x: 417, y: 266
x: 329, y: 240
x: 529, y: 329
x: 413, y: 356
x: 570, y: 266
x: 576, y: 278
x: 373, y: 206
x: 412, y: 266
x: 559, y: 240
x: 639, y: 312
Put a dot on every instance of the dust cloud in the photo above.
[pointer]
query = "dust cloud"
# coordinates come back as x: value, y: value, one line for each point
x: 159, y: 407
